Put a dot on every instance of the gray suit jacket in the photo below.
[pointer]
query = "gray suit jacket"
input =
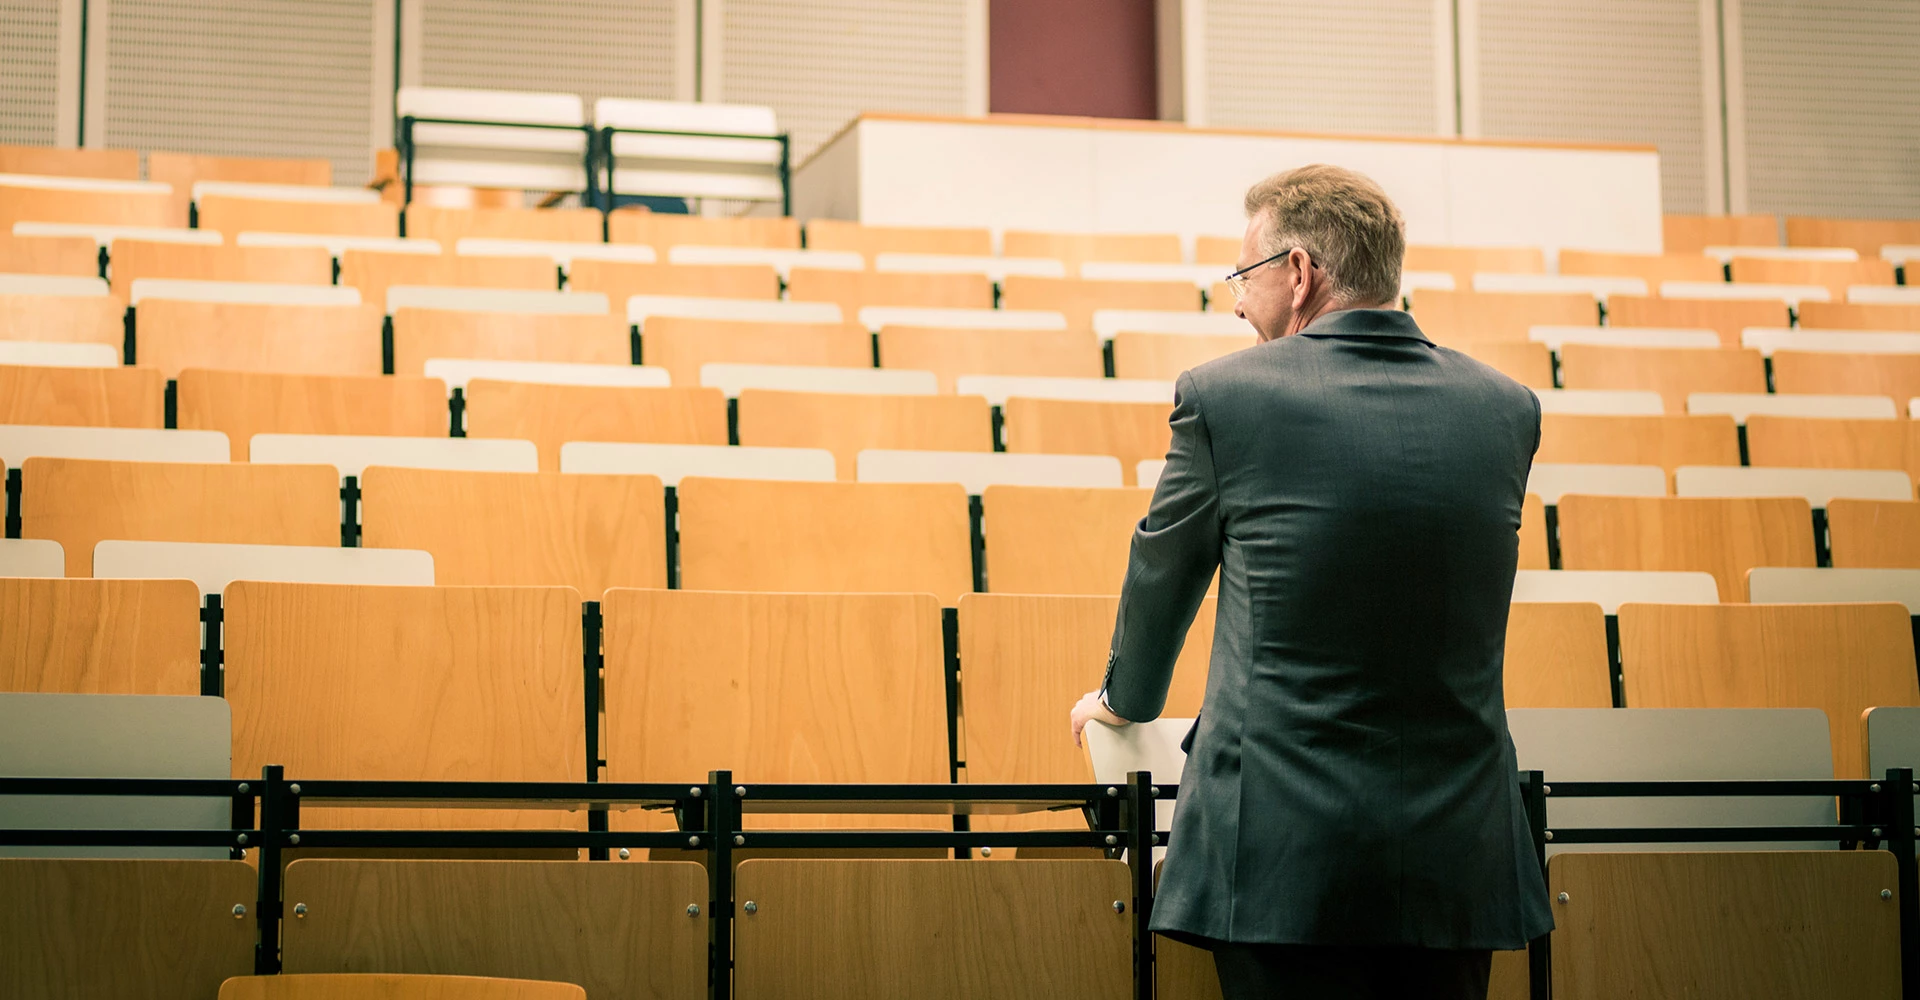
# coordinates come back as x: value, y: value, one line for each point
x: 1350, y: 780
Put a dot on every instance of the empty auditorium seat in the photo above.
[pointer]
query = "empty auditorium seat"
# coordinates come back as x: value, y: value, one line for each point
x: 1668, y: 442
x: 1725, y: 537
x: 389, y: 986
x: 1834, y: 274
x: 1128, y: 431
x: 1816, y: 442
x: 457, y: 372
x: 950, y: 353
x: 64, y: 319
x: 621, y: 280
x: 78, y: 502
x: 1464, y: 262
x: 854, y: 290
x: 314, y: 340
x: 1449, y: 317
x: 506, y: 300
x: 1597, y: 286
x: 451, y: 225
x: 682, y: 346
x: 229, y: 214
x: 81, y: 397
x: 421, y: 334
x: 53, y: 161
x: 213, y: 565
x: 825, y: 537
x: 373, y: 272
x: 1777, y: 585
x: 876, y: 317
x: 1074, y: 249
x: 995, y: 269
x: 845, y: 423
x: 435, y: 683
x: 871, y: 241
x: 1552, y: 480
x: 1556, y: 656
x: 140, y: 205
x: 570, y: 922
x: 239, y: 292
x: 1874, y: 534
x: 71, y: 255
x: 1727, y: 318
x: 1695, y: 233
x: 1078, y: 298
x: 997, y: 389
x: 242, y: 404
x: 521, y: 529
x: 1840, y: 658
x: 1866, y: 236
x: 1895, y: 375
x: 663, y: 232
x: 783, y: 261
x: 1530, y: 365
x: 671, y: 463
x: 134, y: 259
x: 184, y: 170
x: 1059, y: 540
x: 1166, y: 355
x: 641, y: 309
x: 1857, y: 316
x: 99, y: 636
x: 977, y: 470
x: 1110, y: 323
x: 551, y: 415
x: 1651, y: 268
x: 1611, y: 588
x: 1672, y: 372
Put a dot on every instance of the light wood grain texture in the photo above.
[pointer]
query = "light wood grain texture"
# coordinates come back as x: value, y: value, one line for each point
x: 1825, y: 443
x: 51, y: 161
x: 940, y: 930
x: 588, y: 532
x: 1850, y: 316
x: 1836, y: 275
x: 1463, y: 316
x: 1557, y: 657
x: 375, y: 271
x: 1183, y: 972
x: 1840, y: 658
x: 1695, y: 233
x: 70, y: 255
x: 132, y: 930
x: 99, y: 636
x: 864, y: 538
x: 1167, y: 355
x: 420, y: 334
x: 1529, y: 364
x: 1078, y: 298
x: 183, y: 169
x: 664, y: 232
x: 619, y: 930
x: 451, y: 225
x: 1725, y: 537
x: 1058, y: 539
x: 1794, y: 925
x: 79, y: 502
x: 1128, y: 431
x: 551, y: 415
x: 854, y: 290
x: 66, y: 319
x: 81, y: 397
x: 1874, y: 534
x: 100, y: 208
x: 136, y: 259
x: 1864, y: 235
x: 1464, y: 262
x: 239, y: 215
x: 1533, y: 534
x: 621, y: 280
x: 242, y: 404
x: 1668, y: 442
x: 342, y: 986
x: 1896, y: 375
x: 1670, y: 371
x: 847, y: 423
x: 1216, y: 250
x: 1652, y: 268
x: 1509, y: 977
x: 681, y: 346
x: 871, y: 241
x: 310, y: 340
x: 1726, y: 317
x: 1074, y: 249
x: 777, y: 688
x: 432, y: 683
x: 949, y: 354
x: 1220, y: 297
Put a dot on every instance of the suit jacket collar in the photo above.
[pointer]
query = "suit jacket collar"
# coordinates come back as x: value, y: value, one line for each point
x: 1365, y: 323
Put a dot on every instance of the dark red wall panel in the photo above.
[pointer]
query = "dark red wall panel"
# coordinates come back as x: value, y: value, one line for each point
x: 1072, y: 57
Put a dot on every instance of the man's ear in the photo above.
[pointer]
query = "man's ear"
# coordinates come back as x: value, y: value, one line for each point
x: 1303, y: 287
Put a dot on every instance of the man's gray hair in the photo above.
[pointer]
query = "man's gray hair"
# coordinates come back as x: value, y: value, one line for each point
x: 1343, y: 220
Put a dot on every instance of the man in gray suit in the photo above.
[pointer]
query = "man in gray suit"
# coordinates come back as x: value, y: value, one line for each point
x: 1349, y: 822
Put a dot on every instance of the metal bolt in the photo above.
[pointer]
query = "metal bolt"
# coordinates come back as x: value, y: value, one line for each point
x: 1886, y: 894
x: 739, y: 840
x: 1111, y: 839
x: 1876, y: 832
x: 1153, y: 791
x: 986, y: 852
x: 1563, y: 897
x: 1119, y: 907
x: 693, y: 841
x: 1916, y: 787
x: 1546, y: 789
x: 694, y: 791
x: 693, y: 909
x: 242, y: 839
x: 1153, y: 839
x: 239, y: 911
x: 1873, y: 788
x: 739, y: 791
x: 295, y: 789
x: 243, y: 788
x: 294, y: 839
x: 1112, y: 792
x: 752, y: 907
x: 1549, y: 835
x: 300, y: 909
x: 625, y: 854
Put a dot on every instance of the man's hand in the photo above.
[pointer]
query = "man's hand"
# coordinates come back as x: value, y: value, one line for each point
x: 1090, y: 709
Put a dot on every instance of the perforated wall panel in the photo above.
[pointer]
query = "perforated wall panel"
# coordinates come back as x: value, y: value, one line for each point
x: 819, y: 63
x: 29, y: 56
x: 1369, y: 65
x: 1623, y: 71
x: 1832, y: 116
x: 284, y: 78
x: 594, y: 48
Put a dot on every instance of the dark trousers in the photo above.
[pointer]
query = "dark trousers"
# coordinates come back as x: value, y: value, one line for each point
x: 1309, y: 972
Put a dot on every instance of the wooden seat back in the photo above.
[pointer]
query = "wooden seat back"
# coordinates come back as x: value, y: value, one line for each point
x: 421, y: 334
x: 1866, y: 236
x: 393, y: 986
x: 1836, y: 275
x: 183, y: 170
x: 1078, y: 298
x: 1075, y: 249
x: 78, y: 256
x: 81, y: 397
x: 1673, y: 372
x: 98, y: 208
x: 173, y: 335
x: 1130, y: 432
x: 1166, y: 355
x: 1859, y: 316
x: 1059, y: 539
x: 1556, y: 657
x: 99, y: 636
x: 1725, y: 537
x: 1896, y: 375
x: 60, y: 161
x: 1669, y: 441
x: 854, y: 290
x: 1529, y: 364
x: 848, y: 423
x: 1874, y: 534
x: 1465, y: 317
x: 242, y: 404
x: 64, y: 319
x: 239, y: 215
x: 663, y: 231
x: 552, y: 415
x: 1828, y: 443
x: 1695, y: 233
x: 1726, y: 317
x: 872, y: 241
x: 451, y: 225
x: 621, y: 280
x: 375, y: 271
x: 136, y: 259
x: 949, y: 354
x: 1652, y: 268
x: 682, y: 345
x: 1464, y: 262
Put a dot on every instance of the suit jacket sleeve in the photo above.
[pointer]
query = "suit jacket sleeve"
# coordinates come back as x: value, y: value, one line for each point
x: 1176, y: 549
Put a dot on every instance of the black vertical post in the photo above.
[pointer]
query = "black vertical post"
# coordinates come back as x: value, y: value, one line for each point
x: 1141, y: 796
x: 723, y: 823
x: 1822, y: 545
x: 274, y: 828
x: 591, y: 662
x: 673, y: 538
x: 999, y: 428
x: 1899, y: 791
x: 786, y: 176
x: 1551, y: 514
x: 350, y: 512
x: 976, y: 526
x: 13, y: 503
x: 1106, y: 358
x: 733, y: 420
x: 170, y: 406
x: 1616, y: 671
x: 950, y: 639
x: 457, y: 413
x: 1740, y: 432
x: 127, y: 346
x: 1533, y: 795
x: 100, y: 260
x: 211, y: 655
x: 633, y: 343
x: 606, y: 220
x: 386, y: 345
x: 406, y: 169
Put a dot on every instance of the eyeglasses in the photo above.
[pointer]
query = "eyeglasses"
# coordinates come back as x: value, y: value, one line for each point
x: 1237, y: 281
